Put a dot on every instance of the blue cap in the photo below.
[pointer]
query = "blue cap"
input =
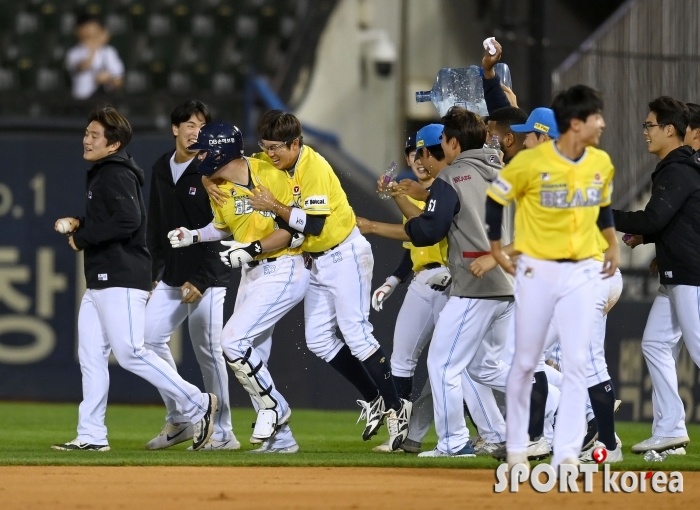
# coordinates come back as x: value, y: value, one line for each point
x: 223, y: 142
x: 541, y: 120
x: 428, y: 136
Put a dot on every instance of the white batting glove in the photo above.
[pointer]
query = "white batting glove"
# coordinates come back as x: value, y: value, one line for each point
x: 297, y: 240
x: 181, y: 237
x: 439, y: 281
x: 239, y: 253
x: 382, y: 293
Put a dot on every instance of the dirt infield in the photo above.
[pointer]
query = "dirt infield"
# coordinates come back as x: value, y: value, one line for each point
x: 153, y: 488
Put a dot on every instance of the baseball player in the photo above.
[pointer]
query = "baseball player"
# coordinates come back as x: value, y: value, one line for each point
x: 426, y: 297
x: 273, y: 278
x: 193, y: 281
x: 341, y: 272
x: 558, y: 186
x: 670, y: 220
x: 118, y: 275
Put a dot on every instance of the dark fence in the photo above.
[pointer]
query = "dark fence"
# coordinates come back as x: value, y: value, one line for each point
x: 41, y: 283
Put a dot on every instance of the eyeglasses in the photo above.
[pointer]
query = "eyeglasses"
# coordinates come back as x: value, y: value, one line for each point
x: 647, y: 125
x: 274, y: 148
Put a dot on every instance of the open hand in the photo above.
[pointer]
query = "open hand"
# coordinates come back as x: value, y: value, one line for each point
x: 217, y: 195
x: 262, y: 199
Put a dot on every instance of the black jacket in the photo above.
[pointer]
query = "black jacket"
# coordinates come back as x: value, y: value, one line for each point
x: 671, y: 219
x: 185, y: 204
x: 113, y: 231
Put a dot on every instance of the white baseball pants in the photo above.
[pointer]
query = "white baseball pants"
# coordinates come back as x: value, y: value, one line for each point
x: 265, y: 295
x: 164, y: 314
x: 675, y: 312
x: 470, y: 334
x: 564, y: 292
x: 339, y: 296
x: 113, y: 320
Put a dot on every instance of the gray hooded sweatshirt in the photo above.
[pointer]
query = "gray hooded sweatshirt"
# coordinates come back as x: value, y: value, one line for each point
x: 456, y: 209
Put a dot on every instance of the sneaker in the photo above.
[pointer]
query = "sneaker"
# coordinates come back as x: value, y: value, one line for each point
x: 373, y: 412
x: 411, y: 446
x: 514, y: 459
x: 611, y: 457
x: 660, y: 444
x: 80, y: 445
x: 488, y: 448
x: 385, y: 447
x: 170, y: 435
x: 466, y: 451
x: 266, y: 448
x: 538, y: 450
x: 397, y: 423
x: 213, y: 444
x: 204, y: 428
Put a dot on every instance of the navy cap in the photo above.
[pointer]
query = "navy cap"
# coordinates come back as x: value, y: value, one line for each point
x: 541, y: 120
x: 428, y: 136
x: 223, y: 143
x: 411, y: 143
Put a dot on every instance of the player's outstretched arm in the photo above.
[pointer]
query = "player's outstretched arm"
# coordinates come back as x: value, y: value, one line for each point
x: 389, y: 230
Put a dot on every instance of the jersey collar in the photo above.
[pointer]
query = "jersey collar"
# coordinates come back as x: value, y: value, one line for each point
x: 585, y: 151
x: 293, y: 169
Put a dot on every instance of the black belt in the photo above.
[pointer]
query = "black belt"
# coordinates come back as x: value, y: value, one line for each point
x: 432, y: 265
x: 564, y: 260
x: 317, y: 254
x: 256, y: 263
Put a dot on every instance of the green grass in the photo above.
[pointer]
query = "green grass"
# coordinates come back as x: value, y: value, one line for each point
x: 326, y: 439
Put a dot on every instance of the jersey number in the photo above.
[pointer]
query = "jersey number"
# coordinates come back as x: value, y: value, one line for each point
x: 431, y: 206
x: 243, y: 206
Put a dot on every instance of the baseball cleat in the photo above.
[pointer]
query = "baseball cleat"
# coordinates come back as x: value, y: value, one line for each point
x: 170, y: 435
x: 592, y: 429
x: 397, y: 423
x: 676, y: 451
x: 660, y: 444
x: 213, y: 444
x: 255, y: 440
x: 373, y: 412
x: 514, y: 459
x: 538, y: 450
x: 385, y: 447
x: 488, y: 448
x: 80, y: 445
x: 611, y: 456
x: 466, y: 451
x: 204, y: 428
x: 266, y: 448
x: 411, y: 446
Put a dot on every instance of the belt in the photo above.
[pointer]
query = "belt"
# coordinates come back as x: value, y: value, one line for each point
x: 317, y: 254
x: 564, y: 260
x: 432, y: 265
x: 256, y: 263
x: 355, y: 232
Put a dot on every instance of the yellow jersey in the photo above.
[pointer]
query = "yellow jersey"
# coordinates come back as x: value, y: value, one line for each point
x: 316, y: 190
x: 558, y: 201
x: 425, y: 255
x: 247, y: 225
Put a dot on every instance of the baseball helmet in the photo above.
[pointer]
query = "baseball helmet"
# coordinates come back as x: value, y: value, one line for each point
x: 223, y: 142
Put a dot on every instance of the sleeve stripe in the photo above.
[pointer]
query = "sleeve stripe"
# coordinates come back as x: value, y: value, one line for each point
x: 497, y: 197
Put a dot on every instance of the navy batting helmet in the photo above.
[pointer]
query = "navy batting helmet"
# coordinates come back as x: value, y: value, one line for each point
x: 223, y: 143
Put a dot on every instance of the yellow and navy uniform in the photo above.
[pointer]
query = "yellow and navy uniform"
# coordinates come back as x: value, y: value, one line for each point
x: 422, y: 256
x: 247, y: 225
x: 558, y: 201
x: 317, y: 191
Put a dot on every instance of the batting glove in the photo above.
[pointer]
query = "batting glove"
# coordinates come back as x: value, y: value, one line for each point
x: 382, y: 293
x: 181, y: 237
x: 439, y: 281
x: 297, y: 240
x: 239, y: 253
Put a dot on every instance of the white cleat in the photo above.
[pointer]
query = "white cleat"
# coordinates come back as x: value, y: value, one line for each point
x: 373, y: 412
x: 170, y: 435
x: 538, y: 450
x: 213, y: 444
x: 76, y: 445
x: 385, y: 447
x: 676, y: 451
x: 661, y: 444
x: 514, y: 459
x: 266, y: 448
x: 488, y: 448
x: 204, y: 428
x: 397, y: 423
x: 611, y: 456
x: 466, y: 451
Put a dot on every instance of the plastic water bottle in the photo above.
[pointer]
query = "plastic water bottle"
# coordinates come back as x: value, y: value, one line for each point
x: 462, y: 87
x: 494, y: 143
x: 388, y: 176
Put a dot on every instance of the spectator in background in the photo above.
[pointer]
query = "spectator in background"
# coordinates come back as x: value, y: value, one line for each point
x: 410, y: 153
x: 692, y: 132
x: 94, y: 66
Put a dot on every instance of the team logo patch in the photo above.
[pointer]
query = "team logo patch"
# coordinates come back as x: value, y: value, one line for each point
x: 545, y: 176
x: 296, y: 190
x: 668, y: 274
x: 597, y: 179
x: 608, y: 387
x: 89, y: 194
x: 502, y: 185
x: 529, y: 272
x: 315, y: 201
x: 233, y: 192
x: 102, y: 277
x: 193, y: 191
x: 492, y: 158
